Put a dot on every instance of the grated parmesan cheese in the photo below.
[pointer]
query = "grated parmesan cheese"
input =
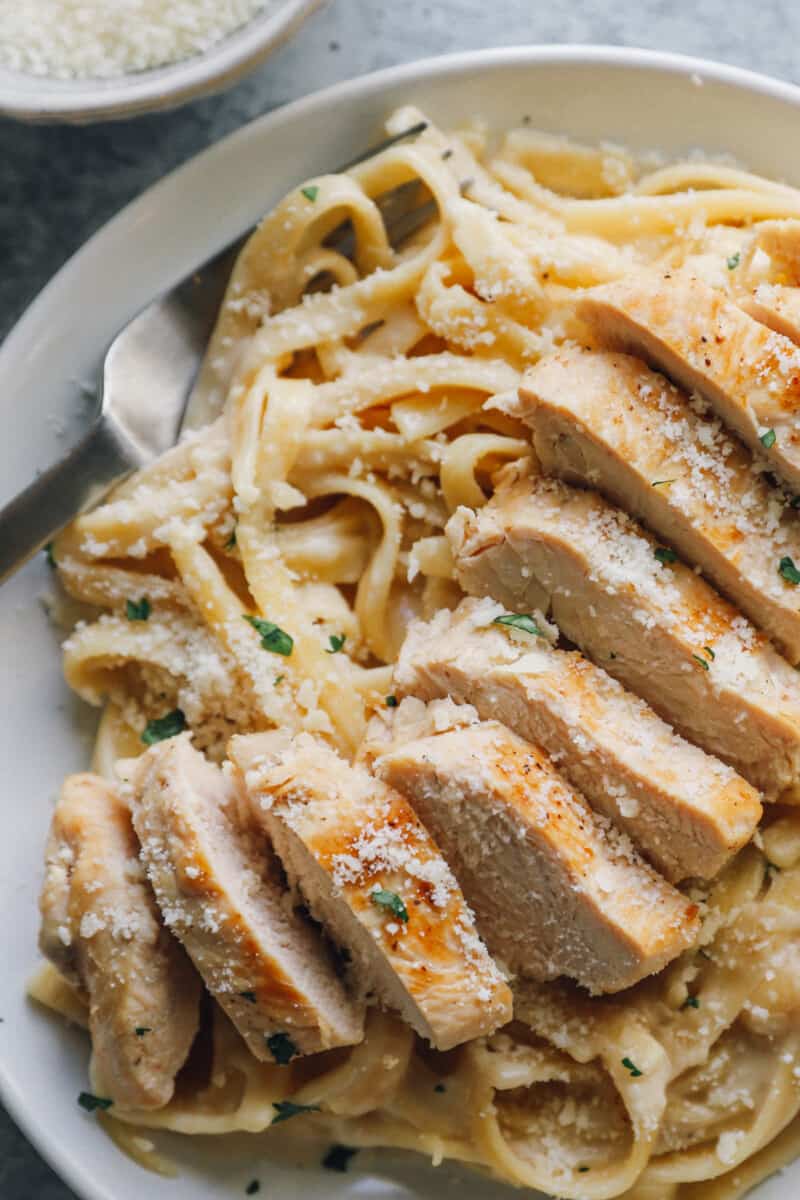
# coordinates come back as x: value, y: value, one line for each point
x: 100, y: 39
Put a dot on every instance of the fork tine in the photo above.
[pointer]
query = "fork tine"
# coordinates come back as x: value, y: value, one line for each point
x: 412, y: 131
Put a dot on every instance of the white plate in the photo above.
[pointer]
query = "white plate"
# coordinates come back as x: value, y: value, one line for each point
x: 642, y: 99
x: 78, y: 101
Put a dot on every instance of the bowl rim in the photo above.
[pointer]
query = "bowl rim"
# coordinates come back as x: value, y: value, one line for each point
x: 83, y: 100
x: 70, y: 1169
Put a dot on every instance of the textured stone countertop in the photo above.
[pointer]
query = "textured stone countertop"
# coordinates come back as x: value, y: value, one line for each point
x: 58, y: 184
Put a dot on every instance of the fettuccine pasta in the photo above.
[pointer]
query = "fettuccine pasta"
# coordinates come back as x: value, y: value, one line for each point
x: 351, y: 387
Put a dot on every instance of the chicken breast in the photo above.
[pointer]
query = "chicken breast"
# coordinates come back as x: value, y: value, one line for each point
x: 749, y: 374
x: 678, y: 805
x: 102, y: 930
x: 556, y: 890
x: 646, y: 618
x: 607, y: 420
x: 777, y: 307
x: 218, y: 885
x: 373, y: 877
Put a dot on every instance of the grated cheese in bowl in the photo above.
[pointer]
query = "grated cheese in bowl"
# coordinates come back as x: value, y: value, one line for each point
x: 101, y: 39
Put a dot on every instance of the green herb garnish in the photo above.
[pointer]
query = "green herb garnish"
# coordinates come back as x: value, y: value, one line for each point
x: 523, y: 621
x: 789, y: 571
x: 665, y: 555
x: 768, y: 439
x: 631, y: 1066
x: 252, y: 1188
x: 91, y: 1103
x: 710, y: 652
x: 285, y: 1109
x: 138, y: 611
x: 657, y: 483
x: 338, y: 1158
x: 310, y: 192
x: 279, y: 679
x: 170, y: 725
x: 690, y: 1002
x: 250, y: 997
x: 392, y: 702
x: 390, y: 901
x: 701, y: 662
x: 48, y: 553
x: 795, y: 502
x: 272, y: 636
x: 734, y: 260
x: 231, y: 542
x: 583, y: 1170
x: 281, y: 1047
x: 337, y: 640
x: 440, y: 1088
x: 141, y: 1030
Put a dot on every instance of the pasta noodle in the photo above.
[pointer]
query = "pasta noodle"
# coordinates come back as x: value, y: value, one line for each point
x: 353, y: 389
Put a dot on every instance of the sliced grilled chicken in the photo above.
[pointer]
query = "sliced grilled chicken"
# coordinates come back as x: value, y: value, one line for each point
x: 373, y: 877
x: 218, y: 885
x: 776, y: 306
x: 749, y: 374
x: 556, y: 890
x: 101, y: 929
x: 677, y: 804
x: 607, y: 420
x: 645, y: 617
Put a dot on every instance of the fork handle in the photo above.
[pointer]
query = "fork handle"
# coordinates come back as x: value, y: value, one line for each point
x: 84, y: 476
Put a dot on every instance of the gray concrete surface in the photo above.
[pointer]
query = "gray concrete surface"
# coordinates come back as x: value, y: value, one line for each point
x: 57, y: 185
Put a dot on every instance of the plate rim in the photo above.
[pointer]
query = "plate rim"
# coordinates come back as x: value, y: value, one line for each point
x: 69, y: 1168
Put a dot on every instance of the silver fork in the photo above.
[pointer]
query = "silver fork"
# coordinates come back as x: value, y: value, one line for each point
x: 145, y: 395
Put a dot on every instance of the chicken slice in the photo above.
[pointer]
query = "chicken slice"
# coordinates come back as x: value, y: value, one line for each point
x: 218, y: 885
x: 607, y: 420
x: 101, y: 929
x: 677, y: 804
x: 749, y: 374
x: 645, y: 617
x: 776, y: 306
x: 373, y: 877
x: 555, y: 888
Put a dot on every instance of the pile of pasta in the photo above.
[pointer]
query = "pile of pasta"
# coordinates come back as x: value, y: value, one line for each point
x: 345, y: 386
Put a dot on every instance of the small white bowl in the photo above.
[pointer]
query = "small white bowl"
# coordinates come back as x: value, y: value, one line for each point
x: 79, y: 101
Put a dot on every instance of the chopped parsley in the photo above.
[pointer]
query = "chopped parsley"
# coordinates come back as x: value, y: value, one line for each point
x: 281, y: 1047
x: 794, y: 502
x: 272, y: 636
x: 279, y: 679
x: 657, y: 483
x: 523, y: 621
x: 440, y: 1088
x: 138, y: 611
x: 250, y: 997
x: 390, y: 901
x: 337, y: 640
x: 91, y: 1103
x: 252, y: 1188
x: 701, y: 662
x: 48, y: 553
x: 448, y: 153
x: 392, y: 702
x: 583, y: 1170
x: 768, y: 439
x: 141, y: 1030
x: 284, y: 1109
x: 310, y: 192
x: 631, y: 1066
x: 789, y: 571
x: 338, y: 1158
x: 231, y: 542
x: 691, y: 1002
x: 710, y: 652
x: 170, y: 725
x: 665, y: 555
x: 733, y: 261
